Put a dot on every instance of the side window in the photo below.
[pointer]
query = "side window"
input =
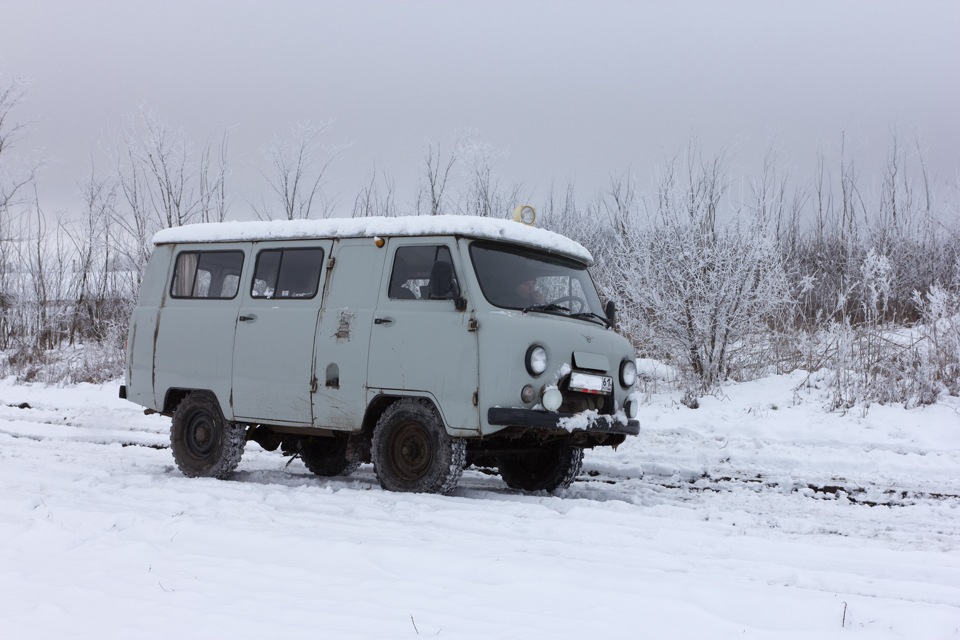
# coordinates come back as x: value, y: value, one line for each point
x: 423, y: 272
x: 207, y: 274
x: 287, y: 273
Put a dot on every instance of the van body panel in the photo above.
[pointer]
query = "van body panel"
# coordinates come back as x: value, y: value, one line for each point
x: 343, y: 340
x: 193, y: 347
x: 505, y: 336
x: 425, y: 347
x: 273, y: 372
x: 142, y: 333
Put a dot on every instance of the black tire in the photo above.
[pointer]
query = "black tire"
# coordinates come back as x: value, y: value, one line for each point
x: 412, y: 451
x: 547, y: 469
x: 204, y: 444
x: 334, y: 456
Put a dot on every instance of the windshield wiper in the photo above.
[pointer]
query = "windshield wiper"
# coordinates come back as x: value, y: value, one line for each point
x: 546, y: 307
x: 590, y: 315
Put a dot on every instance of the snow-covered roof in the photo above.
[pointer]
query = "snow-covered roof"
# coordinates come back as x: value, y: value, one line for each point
x: 469, y: 226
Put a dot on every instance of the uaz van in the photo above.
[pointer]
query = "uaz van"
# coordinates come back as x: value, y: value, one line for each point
x: 420, y: 344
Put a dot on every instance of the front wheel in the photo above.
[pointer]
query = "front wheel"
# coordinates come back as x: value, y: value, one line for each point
x: 547, y: 469
x: 412, y: 451
x: 204, y: 444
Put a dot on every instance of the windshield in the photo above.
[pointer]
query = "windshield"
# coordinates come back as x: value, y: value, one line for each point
x: 515, y: 278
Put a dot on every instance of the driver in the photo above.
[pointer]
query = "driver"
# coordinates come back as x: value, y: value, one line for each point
x: 527, y: 293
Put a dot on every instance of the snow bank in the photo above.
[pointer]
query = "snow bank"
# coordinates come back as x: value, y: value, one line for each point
x: 714, y: 523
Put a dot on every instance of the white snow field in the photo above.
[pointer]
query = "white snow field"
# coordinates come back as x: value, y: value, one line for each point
x: 757, y: 515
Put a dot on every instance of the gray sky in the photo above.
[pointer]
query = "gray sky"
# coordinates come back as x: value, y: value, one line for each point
x: 575, y: 91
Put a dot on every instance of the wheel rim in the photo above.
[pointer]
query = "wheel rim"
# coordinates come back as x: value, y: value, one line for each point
x: 201, y: 435
x: 411, y: 451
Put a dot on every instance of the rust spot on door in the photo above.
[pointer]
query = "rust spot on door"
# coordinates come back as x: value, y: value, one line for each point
x: 343, y: 330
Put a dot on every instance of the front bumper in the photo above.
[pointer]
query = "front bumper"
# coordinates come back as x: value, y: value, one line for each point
x: 560, y: 422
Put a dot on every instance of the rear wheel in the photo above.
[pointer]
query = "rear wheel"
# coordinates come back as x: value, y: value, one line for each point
x: 546, y: 469
x: 204, y: 444
x: 338, y: 455
x: 412, y: 451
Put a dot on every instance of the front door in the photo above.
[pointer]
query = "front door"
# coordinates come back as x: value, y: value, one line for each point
x: 273, y: 373
x: 420, y: 342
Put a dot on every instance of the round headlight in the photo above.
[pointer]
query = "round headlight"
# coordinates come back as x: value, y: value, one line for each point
x: 628, y: 373
x: 536, y: 360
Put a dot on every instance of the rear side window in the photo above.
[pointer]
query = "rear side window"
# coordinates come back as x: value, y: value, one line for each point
x: 207, y: 274
x: 287, y: 273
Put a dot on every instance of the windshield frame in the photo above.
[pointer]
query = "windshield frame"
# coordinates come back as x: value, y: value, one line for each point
x: 496, y: 288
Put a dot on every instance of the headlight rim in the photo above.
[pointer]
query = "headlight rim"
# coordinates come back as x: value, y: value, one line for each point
x: 623, y: 369
x: 528, y: 359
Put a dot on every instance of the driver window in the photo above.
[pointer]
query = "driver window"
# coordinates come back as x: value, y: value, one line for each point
x: 423, y: 272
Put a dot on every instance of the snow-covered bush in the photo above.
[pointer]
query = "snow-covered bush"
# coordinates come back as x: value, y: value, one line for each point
x: 701, y: 284
x: 939, y: 328
x: 873, y: 361
x: 708, y: 294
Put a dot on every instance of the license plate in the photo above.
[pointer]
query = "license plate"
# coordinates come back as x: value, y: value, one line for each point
x: 587, y: 383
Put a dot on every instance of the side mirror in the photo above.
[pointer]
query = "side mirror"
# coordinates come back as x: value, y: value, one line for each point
x: 460, y: 303
x: 611, y: 311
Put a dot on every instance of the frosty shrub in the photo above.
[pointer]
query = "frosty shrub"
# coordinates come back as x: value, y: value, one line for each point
x: 695, y: 287
x: 938, y: 366
x: 95, y: 363
x: 874, y: 361
x: 707, y: 290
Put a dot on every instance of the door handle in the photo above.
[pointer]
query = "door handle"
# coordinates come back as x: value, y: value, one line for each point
x: 383, y: 321
x: 250, y: 318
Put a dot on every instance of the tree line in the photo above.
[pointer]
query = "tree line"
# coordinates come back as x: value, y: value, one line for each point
x: 851, y: 276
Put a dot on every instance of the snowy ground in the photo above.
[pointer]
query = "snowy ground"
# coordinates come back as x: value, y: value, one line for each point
x: 755, y: 516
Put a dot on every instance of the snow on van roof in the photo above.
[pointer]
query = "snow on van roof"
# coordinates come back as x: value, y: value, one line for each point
x: 471, y: 226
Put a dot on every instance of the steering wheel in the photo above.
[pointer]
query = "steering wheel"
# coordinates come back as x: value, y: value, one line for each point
x: 580, y: 302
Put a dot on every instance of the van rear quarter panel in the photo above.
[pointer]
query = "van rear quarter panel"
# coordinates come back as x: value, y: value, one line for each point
x: 143, y: 327
x: 194, y: 341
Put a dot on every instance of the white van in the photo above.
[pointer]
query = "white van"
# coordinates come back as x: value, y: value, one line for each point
x: 420, y: 344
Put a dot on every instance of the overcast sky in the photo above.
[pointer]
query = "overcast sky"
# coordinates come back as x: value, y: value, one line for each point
x: 575, y: 91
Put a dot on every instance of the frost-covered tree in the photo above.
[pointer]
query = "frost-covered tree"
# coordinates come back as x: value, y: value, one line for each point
x: 372, y: 200
x: 484, y: 195
x: 696, y: 284
x: 431, y: 193
x: 15, y: 174
x: 213, y: 180
x: 162, y: 182
x: 294, y: 169
x: 17, y: 185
